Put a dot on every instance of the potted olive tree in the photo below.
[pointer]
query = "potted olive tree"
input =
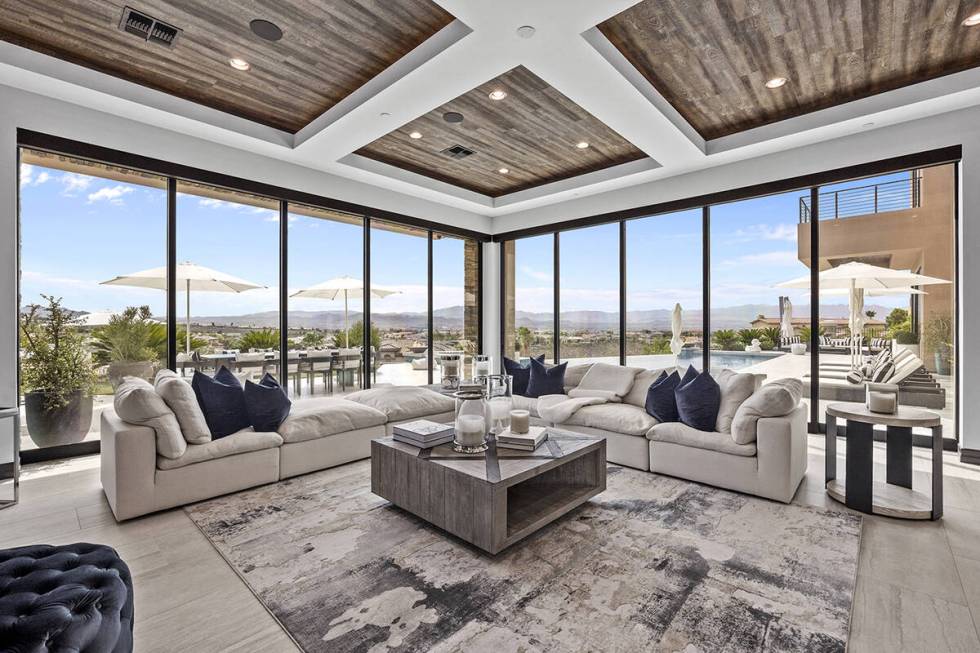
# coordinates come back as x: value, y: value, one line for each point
x: 125, y: 345
x: 56, y: 375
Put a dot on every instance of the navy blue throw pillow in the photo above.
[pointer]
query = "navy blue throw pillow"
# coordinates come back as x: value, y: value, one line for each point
x: 521, y: 374
x: 660, y: 403
x: 267, y: 403
x: 546, y: 381
x: 698, y: 401
x: 689, y: 376
x: 223, y: 402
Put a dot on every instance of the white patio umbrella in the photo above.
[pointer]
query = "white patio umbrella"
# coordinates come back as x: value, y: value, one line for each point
x: 676, y: 342
x: 345, y: 286
x: 190, y: 277
x: 856, y: 276
x: 97, y: 318
x: 786, y: 326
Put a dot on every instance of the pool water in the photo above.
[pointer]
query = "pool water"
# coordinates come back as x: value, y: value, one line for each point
x: 733, y: 360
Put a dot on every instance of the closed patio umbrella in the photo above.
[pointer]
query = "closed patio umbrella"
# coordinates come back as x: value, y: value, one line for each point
x: 676, y: 342
x: 786, y: 326
x: 345, y: 286
x: 190, y: 277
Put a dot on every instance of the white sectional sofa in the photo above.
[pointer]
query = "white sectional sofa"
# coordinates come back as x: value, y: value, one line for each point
x: 772, y: 466
x: 319, y: 433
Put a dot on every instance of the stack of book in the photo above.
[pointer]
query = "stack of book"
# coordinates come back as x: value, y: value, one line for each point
x: 423, y: 433
x: 523, y: 441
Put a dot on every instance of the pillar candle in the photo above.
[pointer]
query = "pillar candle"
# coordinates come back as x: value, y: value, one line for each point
x: 520, y: 421
x: 470, y: 430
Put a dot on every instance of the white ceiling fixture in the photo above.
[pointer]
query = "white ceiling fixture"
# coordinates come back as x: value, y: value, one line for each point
x: 497, y: 94
x: 775, y: 82
x: 503, y: 171
x: 415, y: 135
x: 239, y: 64
x: 582, y: 145
x: 525, y: 31
x: 973, y: 19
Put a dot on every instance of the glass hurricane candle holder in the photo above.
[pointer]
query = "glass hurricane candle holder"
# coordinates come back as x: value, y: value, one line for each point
x: 472, y: 420
x: 482, y: 365
x: 449, y: 369
x: 501, y: 400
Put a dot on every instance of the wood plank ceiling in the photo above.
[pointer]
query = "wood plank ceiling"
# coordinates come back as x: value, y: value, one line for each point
x: 329, y: 48
x: 533, y: 133
x: 711, y: 58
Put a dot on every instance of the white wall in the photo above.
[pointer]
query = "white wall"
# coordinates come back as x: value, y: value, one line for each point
x: 20, y: 109
x: 955, y: 128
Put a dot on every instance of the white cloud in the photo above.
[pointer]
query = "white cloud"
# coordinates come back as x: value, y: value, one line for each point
x: 29, y: 178
x: 74, y: 182
x: 779, y: 258
x: 537, y: 275
x: 783, y: 231
x: 113, y: 194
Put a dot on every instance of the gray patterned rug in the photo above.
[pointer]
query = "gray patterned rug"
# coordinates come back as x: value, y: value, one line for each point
x: 653, y: 563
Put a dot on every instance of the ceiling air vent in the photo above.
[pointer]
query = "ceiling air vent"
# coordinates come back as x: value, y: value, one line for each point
x: 458, y: 152
x: 148, y: 28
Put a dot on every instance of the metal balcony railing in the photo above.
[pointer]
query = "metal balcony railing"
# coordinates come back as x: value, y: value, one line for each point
x: 864, y: 200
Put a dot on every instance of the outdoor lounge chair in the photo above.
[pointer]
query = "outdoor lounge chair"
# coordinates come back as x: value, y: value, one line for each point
x: 917, y: 387
x: 785, y: 343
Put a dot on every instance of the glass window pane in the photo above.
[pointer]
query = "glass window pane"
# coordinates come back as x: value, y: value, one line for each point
x: 399, y: 303
x: 455, y: 293
x: 85, y: 227
x: 589, y: 287
x: 529, y: 298
x: 755, y: 247
x: 663, y: 269
x: 903, y: 222
x: 326, y: 300
x: 227, y: 281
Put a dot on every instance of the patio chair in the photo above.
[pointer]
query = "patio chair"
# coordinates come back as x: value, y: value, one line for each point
x: 785, y: 343
x: 250, y: 362
x: 318, y: 362
x: 347, y: 362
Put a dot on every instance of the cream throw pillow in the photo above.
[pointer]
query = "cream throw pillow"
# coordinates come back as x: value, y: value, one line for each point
x: 776, y: 398
x: 735, y: 389
x: 137, y: 402
x: 180, y: 397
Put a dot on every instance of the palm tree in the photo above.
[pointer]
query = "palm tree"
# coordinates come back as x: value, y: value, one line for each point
x: 725, y: 339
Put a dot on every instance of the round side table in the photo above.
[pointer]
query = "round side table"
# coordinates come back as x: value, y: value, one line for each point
x: 857, y: 488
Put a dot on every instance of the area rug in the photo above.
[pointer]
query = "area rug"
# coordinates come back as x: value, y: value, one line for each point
x: 653, y: 563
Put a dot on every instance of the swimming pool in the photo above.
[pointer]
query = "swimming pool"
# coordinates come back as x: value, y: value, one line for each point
x: 733, y: 360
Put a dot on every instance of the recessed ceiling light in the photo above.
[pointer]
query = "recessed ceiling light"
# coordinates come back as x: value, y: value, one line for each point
x: 525, y: 31
x: 453, y: 117
x: 384, y: 114
x: 581, y: 145
x: 498, y: 94
x: 775, y: 82
x: 415, y: 135
x: 239, y: 64
x: 503, y: 171
x: 973, y: 19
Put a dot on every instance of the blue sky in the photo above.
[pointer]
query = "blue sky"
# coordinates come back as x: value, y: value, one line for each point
x: 79, y: 230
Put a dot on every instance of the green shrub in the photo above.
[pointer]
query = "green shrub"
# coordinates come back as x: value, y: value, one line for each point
x: 54, y: 359
x: 259, y: 339
x: 905, y: 337
x: 725, y: 339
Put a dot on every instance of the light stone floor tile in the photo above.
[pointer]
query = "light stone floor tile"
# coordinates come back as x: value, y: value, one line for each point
x: 917, y: 581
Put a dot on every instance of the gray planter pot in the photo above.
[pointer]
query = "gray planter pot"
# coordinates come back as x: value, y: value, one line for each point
x: 65, y: 425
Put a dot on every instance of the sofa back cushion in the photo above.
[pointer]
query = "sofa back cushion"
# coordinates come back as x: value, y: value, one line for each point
x: 698, y: 400
x: 660, y: 402
x: 611, y: 382
x: 776, y: 398
x: 222, y: 400
x: 266, y: 403
x: 180, y: 397
x: 574, y: 375
x: 520, y: 373
x: 735, y: 389
x: 637, y: 394
x: 136, y: 402
x: 546, y: 380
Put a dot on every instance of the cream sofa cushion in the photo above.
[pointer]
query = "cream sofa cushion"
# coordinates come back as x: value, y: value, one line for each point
x: 137, y: 402
x: 776, y: 398
x: 309, y: 419
x: 404, y: 402
x: 678, y: 433
x: 617, y: 418
x: 574, y: 375
x: 241, y: 442
x: 530, y: 404
x: 735, y: 389
x: 179, y: 396
x: 641, y: 383
x: 609, y: 382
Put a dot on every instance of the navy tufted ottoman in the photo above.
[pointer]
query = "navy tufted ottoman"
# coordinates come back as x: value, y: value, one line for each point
x: 77, y: 597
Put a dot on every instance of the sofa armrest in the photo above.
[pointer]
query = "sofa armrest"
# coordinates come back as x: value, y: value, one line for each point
x: 782, y: 450
x: 128, y: 466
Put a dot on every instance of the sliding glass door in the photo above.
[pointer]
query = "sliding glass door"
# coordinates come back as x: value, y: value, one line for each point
x: 589, y: 295
x: 529, y: 298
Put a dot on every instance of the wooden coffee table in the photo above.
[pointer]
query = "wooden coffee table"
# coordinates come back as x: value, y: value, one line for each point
x: 491, y: 499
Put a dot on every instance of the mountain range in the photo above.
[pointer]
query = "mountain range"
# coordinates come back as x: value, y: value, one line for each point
x: 729, y: 317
